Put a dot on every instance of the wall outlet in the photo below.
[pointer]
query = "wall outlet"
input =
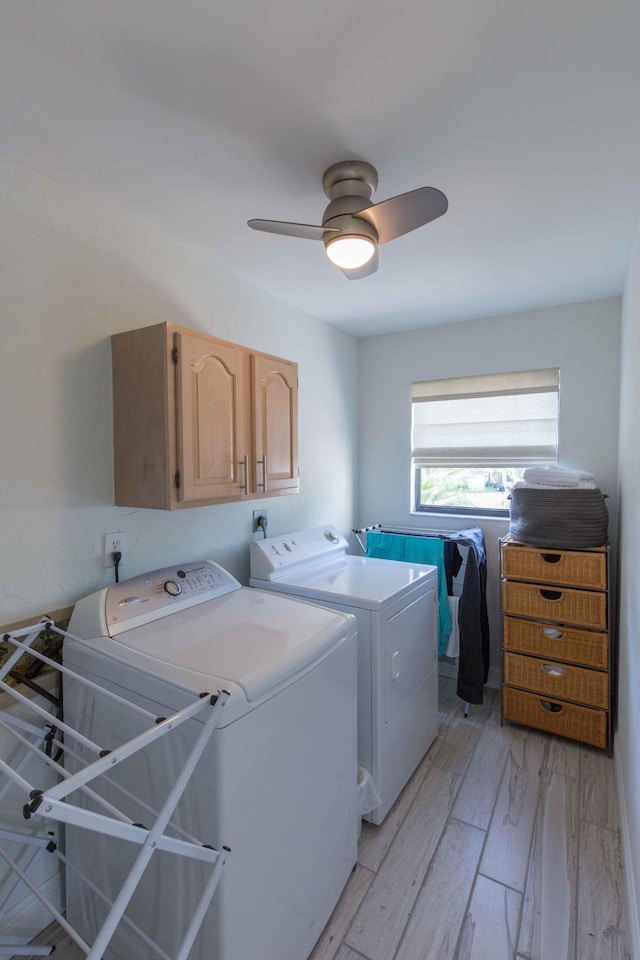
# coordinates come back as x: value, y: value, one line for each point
x: 260, y: 522
x: 112, y: 542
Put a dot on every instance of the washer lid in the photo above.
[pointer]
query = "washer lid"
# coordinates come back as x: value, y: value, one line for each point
x: 254, y: 639
x: 361, y: 581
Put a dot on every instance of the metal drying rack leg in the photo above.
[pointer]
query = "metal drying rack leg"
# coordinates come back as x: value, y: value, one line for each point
x: 53, y: 803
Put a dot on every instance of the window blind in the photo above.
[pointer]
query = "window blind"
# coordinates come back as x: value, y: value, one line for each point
x: 495, y: 420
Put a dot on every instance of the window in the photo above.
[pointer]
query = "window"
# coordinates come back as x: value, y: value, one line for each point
x: 473, y: 437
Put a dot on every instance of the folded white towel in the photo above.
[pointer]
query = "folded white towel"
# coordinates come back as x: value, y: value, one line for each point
x: 557, y: 476
x: 564, y: 471
x: 583, y: 485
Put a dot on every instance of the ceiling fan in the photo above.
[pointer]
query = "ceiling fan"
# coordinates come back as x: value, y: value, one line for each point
x: 352, y: 226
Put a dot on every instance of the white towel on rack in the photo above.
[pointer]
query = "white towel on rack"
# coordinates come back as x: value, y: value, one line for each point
x: 453, y: 647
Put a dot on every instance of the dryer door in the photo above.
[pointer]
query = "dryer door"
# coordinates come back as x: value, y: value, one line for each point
x: 409, y: 652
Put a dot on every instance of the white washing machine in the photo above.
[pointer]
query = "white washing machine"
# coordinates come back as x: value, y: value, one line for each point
x: 277, y: 782
x: 395, y: 605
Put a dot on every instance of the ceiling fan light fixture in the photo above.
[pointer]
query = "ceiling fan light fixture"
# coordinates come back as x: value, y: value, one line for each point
x: 352, y: 225
x: 350, y: 252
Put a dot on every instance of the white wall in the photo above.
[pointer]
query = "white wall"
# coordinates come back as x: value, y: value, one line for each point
x: 582, y: 339
x: 71, y: 274
x: 628, y: 728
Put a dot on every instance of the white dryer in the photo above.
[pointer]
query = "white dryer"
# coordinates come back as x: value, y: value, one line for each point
x: 277, y: 782
x: 395, y: 605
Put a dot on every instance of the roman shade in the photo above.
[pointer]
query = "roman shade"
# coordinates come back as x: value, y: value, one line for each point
x: 494, y: 420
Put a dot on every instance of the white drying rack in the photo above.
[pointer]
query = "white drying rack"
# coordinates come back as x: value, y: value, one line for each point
x: 53, y: 804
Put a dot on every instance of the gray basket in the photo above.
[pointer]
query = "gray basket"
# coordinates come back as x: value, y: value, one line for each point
x: 571, y: 519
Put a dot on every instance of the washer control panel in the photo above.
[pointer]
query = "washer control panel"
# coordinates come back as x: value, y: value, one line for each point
x: 164, y: 591
x: 272, y: 557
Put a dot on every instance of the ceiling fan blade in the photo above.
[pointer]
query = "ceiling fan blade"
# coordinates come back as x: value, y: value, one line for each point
x: 365, y: 271
x: 391, y: 218
x: 306, y: 231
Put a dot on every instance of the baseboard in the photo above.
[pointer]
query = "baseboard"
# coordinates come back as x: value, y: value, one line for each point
x: 448, y: 668
x: 632, y: 886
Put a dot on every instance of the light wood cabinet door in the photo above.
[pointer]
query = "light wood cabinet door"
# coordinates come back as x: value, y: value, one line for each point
x: 212, y: 396
x: 275, y: 424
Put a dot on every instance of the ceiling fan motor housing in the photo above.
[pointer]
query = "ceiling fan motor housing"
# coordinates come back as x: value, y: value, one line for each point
x: 349, y: 226
x: 349, y: 186
x: 350, y: 176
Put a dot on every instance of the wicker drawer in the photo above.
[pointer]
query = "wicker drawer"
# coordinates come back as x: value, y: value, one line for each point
x: 585, y: 608
x: 557, y: 679
x: 559, y: 643
x: 564, y: 719
x: 573, y: 568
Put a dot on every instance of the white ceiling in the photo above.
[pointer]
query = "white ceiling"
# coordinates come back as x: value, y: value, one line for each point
x: 193, y: 116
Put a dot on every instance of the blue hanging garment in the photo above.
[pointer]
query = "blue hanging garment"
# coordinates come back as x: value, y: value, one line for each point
x: 393, y: 546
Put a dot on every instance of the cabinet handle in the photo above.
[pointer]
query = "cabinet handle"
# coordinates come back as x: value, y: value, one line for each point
x: 551, y: 594
x: 551, y: 557
x: 553, y: 670
x: 551, y: 707
x: 552, y: 634
x: 245, y: 463
x: 262, y: 462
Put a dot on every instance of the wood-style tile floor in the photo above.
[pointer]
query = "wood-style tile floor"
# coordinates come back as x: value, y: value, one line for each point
x: 504, y: 845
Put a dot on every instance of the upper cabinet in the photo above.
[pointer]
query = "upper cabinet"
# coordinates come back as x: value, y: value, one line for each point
x: 274, y: 385
x: 199, y: 420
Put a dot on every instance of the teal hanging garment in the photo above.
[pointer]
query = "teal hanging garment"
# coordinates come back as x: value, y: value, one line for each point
x: 394, y: 546
x: 385, y: 546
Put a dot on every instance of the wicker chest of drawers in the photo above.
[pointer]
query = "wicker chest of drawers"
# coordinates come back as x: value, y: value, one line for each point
x: 557, y: 656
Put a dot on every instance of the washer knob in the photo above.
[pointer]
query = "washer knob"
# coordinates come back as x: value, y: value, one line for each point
x: 173, y: 588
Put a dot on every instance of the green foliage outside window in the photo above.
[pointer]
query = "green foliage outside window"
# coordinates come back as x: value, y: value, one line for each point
x: 466, y: 488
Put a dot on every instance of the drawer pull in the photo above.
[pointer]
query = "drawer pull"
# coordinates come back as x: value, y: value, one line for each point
x: 551, y: 707
x: 551, y: 557
x: 553, y: 670
x: 551, y: 594
x: 552, y: 634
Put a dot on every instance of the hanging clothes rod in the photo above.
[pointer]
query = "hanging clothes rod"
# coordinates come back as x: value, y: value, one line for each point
x: 408, y: 532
